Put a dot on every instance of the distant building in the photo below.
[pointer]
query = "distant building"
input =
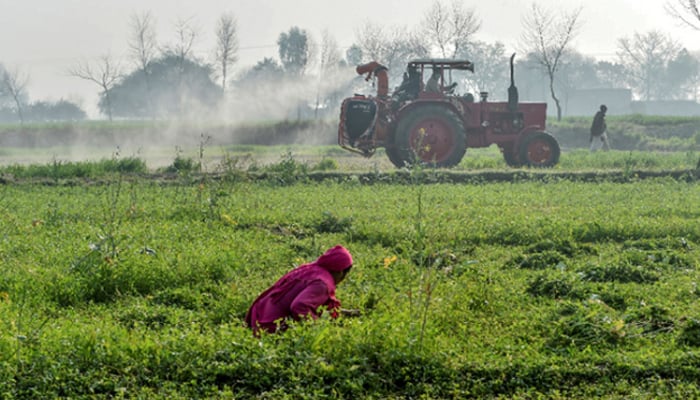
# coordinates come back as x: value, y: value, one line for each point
x: 619, y: 102
x: 666, y: 107
x: 588, y: 101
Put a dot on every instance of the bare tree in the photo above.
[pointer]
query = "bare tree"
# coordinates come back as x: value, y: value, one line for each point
x: 492, y: 67
x: 329, y: 61
x: 353, y: 55
x: 372, y: 40
x: 449, y: 28
x: 182, y: 49
x: 686, y: 11
x: 142, y: 41
x: 186, y: 35
x: 226, y: 45
x: 391, y: 47
x: 610, y: 74
x: 547, y: 37
x: 144, y: 48
x: 105, y: 75
x: 645, y: 58
x: 405, y: 44
x: 329, y: 52
x: 694, y: 82
x: 15, y: 84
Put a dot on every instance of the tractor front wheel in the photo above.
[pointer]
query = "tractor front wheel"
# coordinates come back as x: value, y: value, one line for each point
x: 510, y: 155
x: 429, y: 135
x: 539, y: 150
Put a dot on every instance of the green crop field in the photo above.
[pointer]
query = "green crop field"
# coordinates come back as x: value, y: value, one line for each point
x: 119, y: 283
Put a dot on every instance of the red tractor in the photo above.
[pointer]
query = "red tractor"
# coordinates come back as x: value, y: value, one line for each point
x: 429, y: 124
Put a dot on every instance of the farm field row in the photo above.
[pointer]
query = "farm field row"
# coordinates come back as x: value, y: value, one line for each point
x: 137, y: 288
x: 216, y: 159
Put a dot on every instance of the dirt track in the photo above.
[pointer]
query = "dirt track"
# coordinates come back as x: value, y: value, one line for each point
x: 503, y: 176
x: 396, y: 177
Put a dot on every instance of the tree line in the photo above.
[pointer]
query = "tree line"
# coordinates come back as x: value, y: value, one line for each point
x: 168, y: 80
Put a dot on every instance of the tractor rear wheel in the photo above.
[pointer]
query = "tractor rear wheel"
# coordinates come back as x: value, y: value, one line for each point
x: 430, y: 135
x: 540, y: 150
x: 394, y: 155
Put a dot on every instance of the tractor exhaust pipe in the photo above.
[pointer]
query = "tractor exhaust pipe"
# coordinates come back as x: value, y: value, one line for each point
x: 512, y: 90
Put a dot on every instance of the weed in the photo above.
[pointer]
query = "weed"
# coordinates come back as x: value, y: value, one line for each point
x: 288, y: 170
x: 23, y: 327
x: 182, y: 165
x: 652, y: 319
x: 611, y: 299
x: 587, y: 324
x: 543, y: 260
x: 565, y: 247
x: 623, y: 273
x: 690, y: 333
x: 657, y: 244
x: 330, y: 223
x: 552, y: 287
x: 326, y: 164
x: 233, y: 169
x: 153, y: 317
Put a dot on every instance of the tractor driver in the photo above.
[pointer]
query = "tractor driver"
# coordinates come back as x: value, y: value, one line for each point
x: 433, y: 83
x: 410, y: 86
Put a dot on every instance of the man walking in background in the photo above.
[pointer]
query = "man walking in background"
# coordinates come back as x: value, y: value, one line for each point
x: 599, y: 131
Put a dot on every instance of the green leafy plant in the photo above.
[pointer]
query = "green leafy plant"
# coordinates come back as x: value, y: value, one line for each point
x: 690, y: 333
x: 288, y: 170
x: 330, y: 223
x: 555, y: 287
x: 592, y: 323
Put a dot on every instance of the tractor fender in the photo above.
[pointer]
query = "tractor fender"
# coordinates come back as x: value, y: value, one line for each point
x: 527, y: 131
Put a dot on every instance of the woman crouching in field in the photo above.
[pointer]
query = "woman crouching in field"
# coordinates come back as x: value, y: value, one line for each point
x: 301, y: 292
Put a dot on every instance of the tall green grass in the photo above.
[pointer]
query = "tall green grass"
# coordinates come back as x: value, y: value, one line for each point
x: 298, y: 161
x: 69, y: 169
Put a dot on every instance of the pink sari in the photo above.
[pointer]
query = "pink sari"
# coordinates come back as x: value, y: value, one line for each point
x: 300, y: 293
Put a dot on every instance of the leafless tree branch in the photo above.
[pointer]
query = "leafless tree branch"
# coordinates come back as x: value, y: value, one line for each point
x: 15, y: 84
x: 686, y: 11
x: 142, y: 43
x: 106, y: 74
x: 644, y: 57
x: 449, y: 28
x: 329, y: 53
x: 186, y: 35
x: 389, y: 47
x: 547, y: 37
x: 144, y: 48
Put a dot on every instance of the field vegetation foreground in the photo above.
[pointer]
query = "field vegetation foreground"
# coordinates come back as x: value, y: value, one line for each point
x: 132, y: 287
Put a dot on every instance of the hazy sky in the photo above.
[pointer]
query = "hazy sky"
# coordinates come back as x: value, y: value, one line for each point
x: 44, y: 38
